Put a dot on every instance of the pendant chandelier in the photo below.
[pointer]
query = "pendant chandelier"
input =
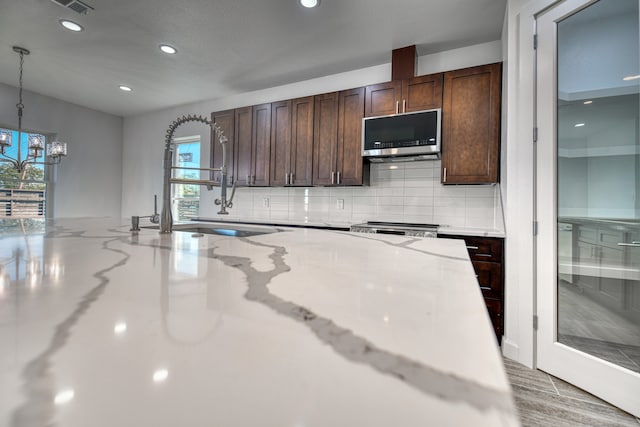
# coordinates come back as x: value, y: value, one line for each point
x: 55, y: 150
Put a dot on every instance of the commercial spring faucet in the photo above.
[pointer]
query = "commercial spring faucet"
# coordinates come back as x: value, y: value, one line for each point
x: 166, y: 219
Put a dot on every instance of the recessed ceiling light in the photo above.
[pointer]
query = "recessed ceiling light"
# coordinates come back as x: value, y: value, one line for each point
x: 626, y: 79
x: 126, y: 88
x: 70, y: 25
x: 579, y: 125
x: 310, y: 3
x: 168, y: 49
x: 588, y: 102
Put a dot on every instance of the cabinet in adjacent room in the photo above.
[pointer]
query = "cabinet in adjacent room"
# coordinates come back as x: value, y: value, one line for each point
x: 225, y: 121
x: 486, y: 255
x: 292, y: 142
x: 337, y: 143
x: 404, y: 96
x: 471, y: 125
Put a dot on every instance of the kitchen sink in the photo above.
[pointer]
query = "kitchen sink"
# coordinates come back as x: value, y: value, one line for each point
x: 222, y: 229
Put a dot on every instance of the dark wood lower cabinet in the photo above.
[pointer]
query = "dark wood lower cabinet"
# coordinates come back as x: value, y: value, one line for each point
x: 487, y: 255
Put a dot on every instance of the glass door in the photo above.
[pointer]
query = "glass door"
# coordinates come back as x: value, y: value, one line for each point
x: 186, y: 197
x: 588, y: 197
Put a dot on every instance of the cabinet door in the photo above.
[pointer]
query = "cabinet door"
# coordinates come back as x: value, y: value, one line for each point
x: 422, y: 93
x: 471, y: 125
x: 383, y: 99
x: 261, y: 145
x: 325, y: 135
x: 489, y: 276
x: 243, y: 120
x: 225, y: 120
x: 280, y: 142
x: 301, y: 164
x: 349, y: 155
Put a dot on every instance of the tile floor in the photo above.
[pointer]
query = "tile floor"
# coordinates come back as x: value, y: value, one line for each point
x: 543, y: 400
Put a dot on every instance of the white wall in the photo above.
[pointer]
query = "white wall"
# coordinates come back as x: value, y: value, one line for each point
x: 144, y: 134
x: 89, y: 179
x: 518, y: 189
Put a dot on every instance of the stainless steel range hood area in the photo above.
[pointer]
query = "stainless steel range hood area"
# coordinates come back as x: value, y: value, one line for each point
x: 402, y: 137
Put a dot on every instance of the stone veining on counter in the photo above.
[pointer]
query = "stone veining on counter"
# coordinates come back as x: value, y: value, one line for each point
x: 39, y: 390
x: 125, y: 267
x: 357, y: 349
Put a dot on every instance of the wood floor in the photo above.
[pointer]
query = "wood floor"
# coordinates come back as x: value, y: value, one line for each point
x: 543, y: 400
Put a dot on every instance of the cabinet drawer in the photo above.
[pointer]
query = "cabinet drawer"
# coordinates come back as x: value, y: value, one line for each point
x: 610, y: 238
x: 484, y: 248
x: 494, y: 308
x: 587, y: 235
x: 489, y: 276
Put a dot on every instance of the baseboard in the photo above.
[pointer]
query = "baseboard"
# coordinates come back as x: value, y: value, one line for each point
x: 510, y: 349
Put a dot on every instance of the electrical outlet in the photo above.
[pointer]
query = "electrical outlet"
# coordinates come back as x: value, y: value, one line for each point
x: 265, y: 202
x: 340, y: 203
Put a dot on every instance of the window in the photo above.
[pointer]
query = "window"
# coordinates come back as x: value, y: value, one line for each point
x: 186, y: 197
x: 22, y: 194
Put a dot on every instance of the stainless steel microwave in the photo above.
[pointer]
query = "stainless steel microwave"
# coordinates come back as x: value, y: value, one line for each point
x: 407, y: 136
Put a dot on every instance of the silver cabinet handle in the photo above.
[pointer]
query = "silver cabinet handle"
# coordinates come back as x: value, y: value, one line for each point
x: 631, y: 245
x: 291, y: 178
x: 338, y: 177
x: 475, y: 248
x: 333, y: 175
x: 286, y: 178
x: 397, y: 107
x: 445, y: 175
x: 404, y: 105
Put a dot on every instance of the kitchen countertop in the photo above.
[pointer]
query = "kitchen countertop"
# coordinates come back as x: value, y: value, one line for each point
x: 301, y: 327
x: 442, y: 229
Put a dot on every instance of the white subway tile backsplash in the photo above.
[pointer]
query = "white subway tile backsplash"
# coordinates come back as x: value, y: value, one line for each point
x: 418, y: 173
x: 417, y: 201
x: 449, y: 202
x: 480, y: 202
x: 450, y: 191
x: 418, y: 210
x: 405, y: 192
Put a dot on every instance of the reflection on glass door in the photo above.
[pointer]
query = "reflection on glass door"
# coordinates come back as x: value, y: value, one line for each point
x: 598, y: 182
x: 588, y: 197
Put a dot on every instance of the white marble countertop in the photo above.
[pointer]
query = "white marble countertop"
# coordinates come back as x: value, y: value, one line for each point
x: 301, y: 327
x: 443, y: 229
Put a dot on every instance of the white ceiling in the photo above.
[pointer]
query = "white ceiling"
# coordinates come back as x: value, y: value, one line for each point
x: 225, y: 47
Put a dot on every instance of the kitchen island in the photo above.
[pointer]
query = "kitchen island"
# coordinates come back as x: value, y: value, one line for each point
x: 242, y: 326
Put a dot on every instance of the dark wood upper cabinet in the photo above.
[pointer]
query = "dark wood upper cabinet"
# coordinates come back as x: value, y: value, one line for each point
x: 349, y: 153
x: 261, y: 145
x: 471, y: 125
x: 325, y: 138
x: 225, y: 120
x: 404, y: 96
x: 301, y: 158
x: 292, y: 142
x: 422, y: 93
x: 242, y: 134
x: 280, y: 142
x: 337, y: 157
x: 383, y: 99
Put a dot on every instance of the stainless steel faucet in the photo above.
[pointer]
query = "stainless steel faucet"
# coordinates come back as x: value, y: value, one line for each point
x: 166, y: 219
